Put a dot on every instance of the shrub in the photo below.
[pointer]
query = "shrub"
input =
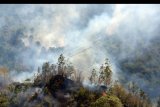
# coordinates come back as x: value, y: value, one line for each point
x: 4, y: 102
x: 107, y: 101
x: 84, y: 97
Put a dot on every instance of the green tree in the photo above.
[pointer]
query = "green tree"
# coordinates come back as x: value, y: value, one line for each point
x: 61, y: 63
x: 105, y: 73
x: 45, y: 71
x: 133, y: 88
x: 69, y: 70
x: 53, y: 69
x: 101, y: 76
x: 142, y: 94
x: 93, y: 77
x: 45, y: 68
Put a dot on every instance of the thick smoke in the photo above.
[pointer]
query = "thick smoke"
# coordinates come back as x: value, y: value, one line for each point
x: 85, y: 34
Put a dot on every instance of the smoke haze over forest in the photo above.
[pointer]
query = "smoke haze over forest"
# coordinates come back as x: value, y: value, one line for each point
x: 128, y: 35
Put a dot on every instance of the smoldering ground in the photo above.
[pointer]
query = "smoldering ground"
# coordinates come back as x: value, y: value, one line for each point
x: 86, y: 34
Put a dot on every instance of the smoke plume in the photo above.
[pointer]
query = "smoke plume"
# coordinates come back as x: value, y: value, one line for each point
x: 85, y: 34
